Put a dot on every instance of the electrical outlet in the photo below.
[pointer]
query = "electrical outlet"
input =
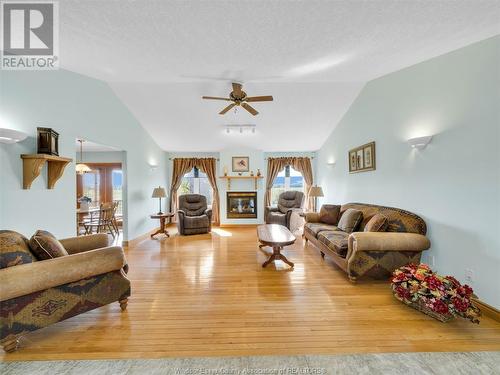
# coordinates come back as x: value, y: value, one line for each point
x: 469, y: 276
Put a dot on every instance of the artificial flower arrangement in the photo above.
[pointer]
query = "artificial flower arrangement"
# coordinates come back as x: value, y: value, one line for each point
x: 442, y: 297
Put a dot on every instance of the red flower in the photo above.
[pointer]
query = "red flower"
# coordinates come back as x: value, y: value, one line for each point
x: 433, y: 282
x: 460, y: 304
x: 399, y: 278
x: 464, y: 291
x: 454, y: 281
x: 440, y: 307
x: 402, y: 293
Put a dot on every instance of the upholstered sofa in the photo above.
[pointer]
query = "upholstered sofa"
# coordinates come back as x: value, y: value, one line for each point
x: 193, y: 215
x: 374, y: 254
x: 288, y: 203
x: 37, y: 293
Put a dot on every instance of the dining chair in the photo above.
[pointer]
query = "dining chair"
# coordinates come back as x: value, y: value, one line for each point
x: 114, y: 221
x: 104, y: 222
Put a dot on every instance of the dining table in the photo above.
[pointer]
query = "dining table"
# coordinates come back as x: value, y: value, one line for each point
x: 82, y: 212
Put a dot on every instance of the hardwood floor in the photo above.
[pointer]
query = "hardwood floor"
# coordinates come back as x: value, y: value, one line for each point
x: 208, y: 295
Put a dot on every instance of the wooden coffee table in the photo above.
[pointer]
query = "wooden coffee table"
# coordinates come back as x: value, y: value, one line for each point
x: 163, y: 218
x: 277, y: 237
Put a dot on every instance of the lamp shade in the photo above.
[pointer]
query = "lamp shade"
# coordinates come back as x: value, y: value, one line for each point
x: 82, y: 168
x: 159, y: 192
x: 316, y: 191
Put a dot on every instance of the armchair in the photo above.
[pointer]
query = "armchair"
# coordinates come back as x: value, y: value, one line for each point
x: 193, y: 215
x: 288, y: 203
x: 40, y: 293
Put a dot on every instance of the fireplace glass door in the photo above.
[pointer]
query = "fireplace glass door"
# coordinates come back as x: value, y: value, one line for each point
x: 241, y: 205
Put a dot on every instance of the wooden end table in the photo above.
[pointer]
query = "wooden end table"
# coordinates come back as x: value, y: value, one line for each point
x: 276, y: 236
x: 163, y: 218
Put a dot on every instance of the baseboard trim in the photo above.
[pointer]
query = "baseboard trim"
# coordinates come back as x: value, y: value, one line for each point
x: 141, y: 238
x: 238, y: 225
x: 487, y: 310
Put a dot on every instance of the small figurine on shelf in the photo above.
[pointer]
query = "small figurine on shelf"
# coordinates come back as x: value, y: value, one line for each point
x: 240, y: 174
x: 225, y: 170
x: 258, y: 172
x: 251, y: 174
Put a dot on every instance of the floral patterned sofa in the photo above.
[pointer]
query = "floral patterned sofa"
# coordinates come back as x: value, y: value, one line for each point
x: 374, y: 254
x: 37, y: 293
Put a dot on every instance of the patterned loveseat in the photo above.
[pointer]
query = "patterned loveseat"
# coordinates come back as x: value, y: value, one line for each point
x: 35, y: 294
x: 364, y: 253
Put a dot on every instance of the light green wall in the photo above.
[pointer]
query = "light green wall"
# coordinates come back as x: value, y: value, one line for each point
x: 454, y: 184
x: 257, y: 160
x: 104, y: 157
x: 75, y: 106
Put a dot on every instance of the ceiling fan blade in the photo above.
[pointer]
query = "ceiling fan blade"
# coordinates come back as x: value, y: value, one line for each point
x: 237, y: 89
x: 268, y: 98
x: 227, y: 109
x: 249, y: 108
x: 215, y: 98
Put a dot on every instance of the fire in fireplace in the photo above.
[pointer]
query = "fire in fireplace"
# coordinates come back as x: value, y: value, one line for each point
x: 241, y: 205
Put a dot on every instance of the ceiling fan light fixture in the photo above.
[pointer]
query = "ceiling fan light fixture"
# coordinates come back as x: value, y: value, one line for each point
x: 240, y: 129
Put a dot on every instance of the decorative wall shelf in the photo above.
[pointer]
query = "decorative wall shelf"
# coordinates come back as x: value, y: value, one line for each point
x: 229, y: 178
x: 33, y: 164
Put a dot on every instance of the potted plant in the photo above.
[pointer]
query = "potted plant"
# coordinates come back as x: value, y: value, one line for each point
x: 84, y: 203
x: 442, y: 297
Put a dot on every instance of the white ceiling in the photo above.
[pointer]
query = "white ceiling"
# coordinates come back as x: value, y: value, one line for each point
x: 161, y: 56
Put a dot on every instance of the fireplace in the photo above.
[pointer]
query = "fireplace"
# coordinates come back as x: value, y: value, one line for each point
x: 242, y: 205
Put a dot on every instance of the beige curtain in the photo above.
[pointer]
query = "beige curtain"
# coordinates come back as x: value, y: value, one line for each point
x: 300, y: 164
x: 274, y: 166
x: 303, y: 165
x: 180, y: 168
x: 184, y: 165
x: 208, y: 166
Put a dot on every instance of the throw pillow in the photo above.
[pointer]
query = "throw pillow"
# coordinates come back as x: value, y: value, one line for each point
x: 14, y: 249
x: 329, y: 214
x: 378, y: 223
x: 45, y: 246
x: 350, y: 220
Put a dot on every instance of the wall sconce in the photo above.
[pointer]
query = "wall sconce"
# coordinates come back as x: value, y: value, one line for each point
x: 420, y: 142
x: 331, y: 163
x: 153, y: 167
x: 11, y: 136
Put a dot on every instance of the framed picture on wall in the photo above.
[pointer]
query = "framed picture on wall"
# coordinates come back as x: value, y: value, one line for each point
x: 241, y: 163
x: 352, y: 161
x: 362, y: 158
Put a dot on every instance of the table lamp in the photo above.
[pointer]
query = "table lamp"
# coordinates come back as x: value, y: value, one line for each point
x: 316, y: 192
x: 159, y: 193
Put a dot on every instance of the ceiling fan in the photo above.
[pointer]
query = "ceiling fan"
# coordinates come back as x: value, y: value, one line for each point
x: 238, y: 97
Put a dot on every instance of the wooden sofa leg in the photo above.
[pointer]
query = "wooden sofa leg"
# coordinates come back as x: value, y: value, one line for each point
x: 322, y: 254
x: 11, y: 343
x: 123, y: 303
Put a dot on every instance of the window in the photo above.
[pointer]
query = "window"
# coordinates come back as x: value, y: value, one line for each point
x: 287, y: 179
x: 92, y: 187
x: 196, y: 182
x: 117, y: 183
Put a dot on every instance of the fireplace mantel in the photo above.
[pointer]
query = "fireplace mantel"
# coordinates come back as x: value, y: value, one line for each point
x: 229, y: 178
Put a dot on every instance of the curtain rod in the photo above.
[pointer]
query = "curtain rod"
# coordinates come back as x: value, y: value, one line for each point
x: 310, y: 157
x: 193, y: 158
